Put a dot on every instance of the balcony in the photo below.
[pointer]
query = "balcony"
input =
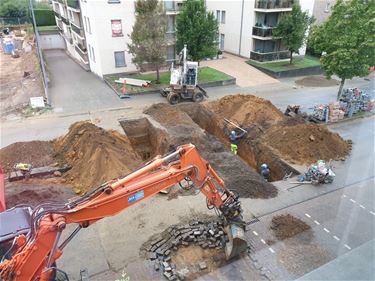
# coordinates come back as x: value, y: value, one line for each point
x: 64, y: 20
x: 82, y: 54
x: 263, y: 31
x: 269, y: 56
x: 57, y: 15
x: 77, y: 30
x: 273, y: 5
x: 74, y: 4
x: 81, y: 48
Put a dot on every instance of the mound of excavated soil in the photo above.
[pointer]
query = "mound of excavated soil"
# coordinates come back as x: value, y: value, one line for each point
x: 246, y: 110
x: 96, y: 155
x: 316, y: 81
x: 237, y: 174
x: 286, y: 226
x: 36, y: 153
x: 35, y: 191
x: 306, y: 143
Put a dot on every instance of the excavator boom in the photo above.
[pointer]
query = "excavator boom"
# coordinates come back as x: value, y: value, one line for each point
x: 32, y: 253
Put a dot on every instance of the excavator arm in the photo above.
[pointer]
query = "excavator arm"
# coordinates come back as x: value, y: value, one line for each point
x: 33, y: 254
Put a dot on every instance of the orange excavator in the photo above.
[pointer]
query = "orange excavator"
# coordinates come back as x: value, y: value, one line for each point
x: 30, y: 237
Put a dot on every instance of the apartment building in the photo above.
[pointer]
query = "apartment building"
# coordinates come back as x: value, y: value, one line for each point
x: 322, y: 10
x: 96, y: 32
x: 245, y: 26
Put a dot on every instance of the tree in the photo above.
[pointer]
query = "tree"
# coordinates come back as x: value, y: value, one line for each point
x: 148, y: 44
x: 14, y: 8
x: 198, y: 29
x: 292, y: 29
x: 346, y: 40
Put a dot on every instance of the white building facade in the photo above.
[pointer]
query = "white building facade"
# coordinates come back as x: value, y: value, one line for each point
x: 245, y: 26
x: 97, y: 32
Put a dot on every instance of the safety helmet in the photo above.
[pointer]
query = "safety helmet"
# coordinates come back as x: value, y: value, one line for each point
x: 233, y: 133
x: 264, y: 166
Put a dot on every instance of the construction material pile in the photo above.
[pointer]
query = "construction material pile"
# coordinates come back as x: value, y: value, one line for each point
x: 287, y: 226
x: 36, y: 153
x: 351, y: 101
x: 207, y: 235
x: 319, y: 172
x: 96, y: 155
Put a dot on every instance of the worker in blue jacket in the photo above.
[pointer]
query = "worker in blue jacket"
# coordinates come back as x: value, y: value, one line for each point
x: 234, y: 138
x: 265, y: 171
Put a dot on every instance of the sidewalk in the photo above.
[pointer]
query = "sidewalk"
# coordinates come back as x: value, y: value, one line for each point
x: 246, y: 75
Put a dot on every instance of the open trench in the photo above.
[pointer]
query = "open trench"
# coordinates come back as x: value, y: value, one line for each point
x: 250, y: 149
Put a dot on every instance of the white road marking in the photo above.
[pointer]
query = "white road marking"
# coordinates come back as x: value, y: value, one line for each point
x: 335, y: 237
x: 318, y: 223
x: 271, y: 250
x: 326, y: 230
x: 346, y: 246
x: 352, y: 200
x: 307, y: 215
x: 372, y: 213
x: 344, y: 196
x: 255, y: 233
x: 363, y: 207
x: 264, y: 242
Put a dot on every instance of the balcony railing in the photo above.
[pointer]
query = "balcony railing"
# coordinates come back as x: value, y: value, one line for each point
x: 81, y: 48
x: 269, y: 56
x: 57, y: 15
x: 65, y: 20
x: 77, y: 29
x: 262, y: 31
x: 82, y: 54
x: 73, y: 4
x: 273, y: 4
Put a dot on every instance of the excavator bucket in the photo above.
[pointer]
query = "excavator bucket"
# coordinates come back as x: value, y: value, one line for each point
x: 237, y: 243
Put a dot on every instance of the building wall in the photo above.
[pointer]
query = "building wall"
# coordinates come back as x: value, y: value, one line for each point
x: 237, y: 42
x: 100, y: 43
x: 322, y: 10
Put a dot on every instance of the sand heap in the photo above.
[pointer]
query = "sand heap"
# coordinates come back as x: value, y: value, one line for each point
x: 286, y: 226
x: 96, y: 155
x: 246, y: 110
x: 36, y: 153
x: 306, y: 143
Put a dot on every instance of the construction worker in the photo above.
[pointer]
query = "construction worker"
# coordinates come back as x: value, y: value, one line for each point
x: 234, y: 138
x: 264, y: 171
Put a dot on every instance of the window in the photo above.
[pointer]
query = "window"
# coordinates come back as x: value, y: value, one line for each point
x: 93, y: 54
x: 114, y: 1
x: 88, y: 25
x: 222, y: 38
x: 326, y: 10
x: 116, y: 28
x: 170, y: 24
x: 85, y: 23
x: 120, y: 59
x: 222, y: 16
x: 89, y: 50
x: 218, y: 15
x: 171, y: 53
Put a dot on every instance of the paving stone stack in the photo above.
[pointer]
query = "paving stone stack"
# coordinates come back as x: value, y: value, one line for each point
x: 208, y: 235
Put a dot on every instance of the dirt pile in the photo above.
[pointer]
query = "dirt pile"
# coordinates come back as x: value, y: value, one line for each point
x: 237, y: 174
x: 316, y: 81
x: 286, y: 226
x: 36, y: 153
x: 35, y: 191
x: 246, y: 110
x: 306, y: 143
x: 96, y: 155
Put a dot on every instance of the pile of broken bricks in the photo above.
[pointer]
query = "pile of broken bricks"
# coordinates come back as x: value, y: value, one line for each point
x: 204, y: 234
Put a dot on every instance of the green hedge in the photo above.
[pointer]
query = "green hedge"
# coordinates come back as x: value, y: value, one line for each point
x: 44, y: 17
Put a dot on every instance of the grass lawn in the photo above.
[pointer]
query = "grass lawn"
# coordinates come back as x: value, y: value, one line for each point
x: 205, y: 74
x: 297, y: 63
x: 47, y: 28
